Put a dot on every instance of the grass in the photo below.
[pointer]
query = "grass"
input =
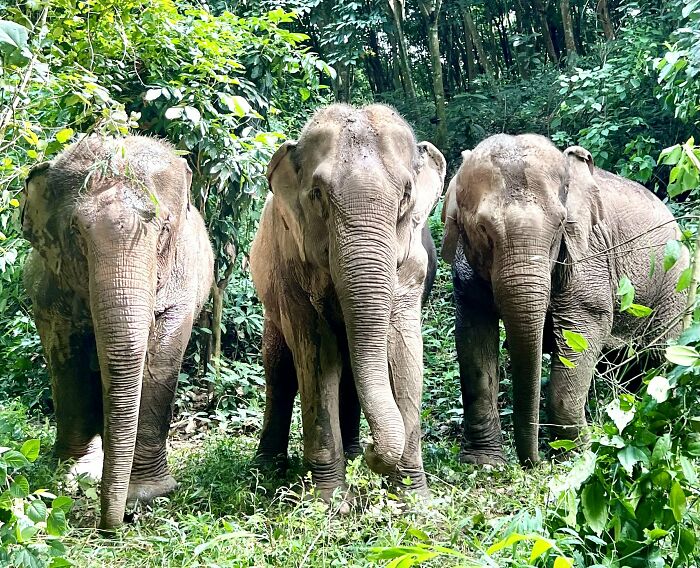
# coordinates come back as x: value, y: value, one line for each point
x: 225, y: 513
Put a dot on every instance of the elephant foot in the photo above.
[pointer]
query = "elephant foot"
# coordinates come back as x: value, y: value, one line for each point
x: 481, y: 457
x: 270, y: 463
x: 147, y: 491
x: 88, y: 465
x: 352, y: 452
x: 332, y: 495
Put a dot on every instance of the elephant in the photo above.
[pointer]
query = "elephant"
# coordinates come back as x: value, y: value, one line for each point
x: 121, y: 266
x: 340, y: 265
x: 540, y: 239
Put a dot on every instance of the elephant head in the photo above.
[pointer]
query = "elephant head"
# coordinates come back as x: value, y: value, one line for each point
x: 525, y: 212
x: 354, y: 193
x: 105, y: 216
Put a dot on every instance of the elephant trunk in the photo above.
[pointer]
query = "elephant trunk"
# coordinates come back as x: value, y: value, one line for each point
x: 122, y: 297
x: 522, y: 293
x: 365, y: 280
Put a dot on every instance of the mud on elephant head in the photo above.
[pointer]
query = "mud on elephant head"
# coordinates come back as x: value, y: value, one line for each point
x: 354, y: 193
x: 121, y: 266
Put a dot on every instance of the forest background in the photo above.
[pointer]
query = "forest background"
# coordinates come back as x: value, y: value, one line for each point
x: 225, y: 82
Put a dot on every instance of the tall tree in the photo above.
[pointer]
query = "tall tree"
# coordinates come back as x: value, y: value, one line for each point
x: 431, y: 12
x: 397, y: 7
x: 476, y: 40
x: 541, y: 10
x: 568, y: 29
x: 604, y: 16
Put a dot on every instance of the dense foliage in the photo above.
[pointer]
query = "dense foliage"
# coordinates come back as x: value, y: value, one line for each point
x: 225, y: 81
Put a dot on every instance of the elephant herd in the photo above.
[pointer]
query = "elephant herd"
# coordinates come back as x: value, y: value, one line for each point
x: 342, y: 261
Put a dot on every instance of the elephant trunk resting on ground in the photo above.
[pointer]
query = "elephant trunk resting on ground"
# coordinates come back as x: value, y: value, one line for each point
x: 340, y: 266
x: 120, y: 268
x: 541, y: 238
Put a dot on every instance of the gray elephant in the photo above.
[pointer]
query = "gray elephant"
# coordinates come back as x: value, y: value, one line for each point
x: 340, y: 265
x: 120, y: 268
x: 541, y: 238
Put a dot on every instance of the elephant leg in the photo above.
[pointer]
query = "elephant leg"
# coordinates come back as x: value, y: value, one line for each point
x: 476, y: 337
x: 77, y: 393
x: 568, y: 386
x: 349, y: 412
x: 150, y: 476
x: 318, y: 365
x: 280, y: 391
x: 405, y: 351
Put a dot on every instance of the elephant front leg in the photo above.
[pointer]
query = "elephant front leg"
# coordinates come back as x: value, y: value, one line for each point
x: 476, y: 338
x: 319, y: 367
x: 405, y: 349
x: 568, y: 387
x: 77, y: 394
x: 280, y: 391
x: 150, y: 475
x: 349, y: 412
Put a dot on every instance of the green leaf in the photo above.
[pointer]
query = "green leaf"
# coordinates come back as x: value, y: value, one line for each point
x: 174, y: 113
x: 629, y: 456
x: 566, y: 445
x: 62, y: 503
x: 152, y: 94
x: 626, y: 292
x: 638, y: 311
x: 56, y: 523
x: 64, y: 135
x: 236, y: 104
x: 566, y: 362
x: 19, y: 488
x: 683, y: 355
x: 662, y: 449
x: 595, y: 506
x: 510, y: 540
x: 677, y: 501
x: 688, y: 470
x: 418, y: 534
x: 541, y: 546
x: 30, y: 449
x: 684, y: 279
x: 659, y: 388
x: 37, y: 511
x: 672, y: 253
x: 13, y: 43
x: 193, y: 115
x: 575, y: 341
x: 13, y: 458
x: 563, y: 562
x: 619, y: 416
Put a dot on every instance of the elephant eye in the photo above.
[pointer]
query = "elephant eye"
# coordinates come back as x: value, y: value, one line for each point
x: 315, y: 193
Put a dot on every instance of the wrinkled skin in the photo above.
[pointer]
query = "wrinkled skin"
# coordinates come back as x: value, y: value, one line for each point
x: 115, y: 283
x: 340, y: 266
x: 540, y: 239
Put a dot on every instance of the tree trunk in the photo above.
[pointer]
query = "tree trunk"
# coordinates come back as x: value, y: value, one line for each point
x: 604, y: 16
x: 478, y: 44
x: 396, y: 9
x: 568, y: 30
x: 544, y: 24
x: 431, y: 13
x: 468, y: 55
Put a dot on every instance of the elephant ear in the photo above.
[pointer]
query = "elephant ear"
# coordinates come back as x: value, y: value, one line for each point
x: 450, y: 235
x: 430, y: 179
x: 583, y: 204
x: 36, y: 203
x: 283, y: 179
x: 450, y: 213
